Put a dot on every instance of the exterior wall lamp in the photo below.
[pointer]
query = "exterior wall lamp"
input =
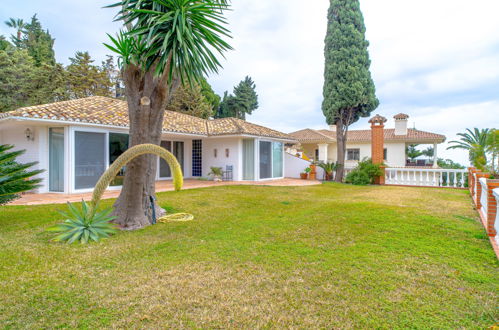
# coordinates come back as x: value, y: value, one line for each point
x: 227, y: 152
x: 30, y: 136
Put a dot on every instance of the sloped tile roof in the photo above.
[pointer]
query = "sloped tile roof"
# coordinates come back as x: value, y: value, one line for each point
x: 311, y: 135
x: 101, y: 110
x: 413, y: 135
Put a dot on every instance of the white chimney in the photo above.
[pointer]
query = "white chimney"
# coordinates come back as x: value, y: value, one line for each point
x: 332, y: 128
x: 401, y: 124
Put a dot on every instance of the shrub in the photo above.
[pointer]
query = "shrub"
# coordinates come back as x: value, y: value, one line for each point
x: 365, y: 173
x: 357, y: 177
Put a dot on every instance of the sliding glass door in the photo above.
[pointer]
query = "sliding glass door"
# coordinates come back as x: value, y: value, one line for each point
x: 248, y: 159
x: 90, y: 158
x: 271, y: 160
x: 265, y: 160
x: 56, y: 159
x: 277, y: 160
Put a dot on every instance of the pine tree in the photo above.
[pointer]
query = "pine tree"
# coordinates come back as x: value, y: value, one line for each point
x: 22, y: 83
x: 14, y: 177
x: 86, y: 79
x: 209, y: 94
x: 191, y: 101
x: 243, y: 102
x: 38, y: 42
x: 349, y: 91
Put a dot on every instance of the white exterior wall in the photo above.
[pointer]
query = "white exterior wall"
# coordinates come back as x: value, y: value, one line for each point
x: 293, y: 166
x: 395, y: 152
x: 235, y: 151
x: 36, y: 150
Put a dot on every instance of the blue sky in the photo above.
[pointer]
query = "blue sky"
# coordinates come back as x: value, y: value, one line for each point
x: 437, y: 61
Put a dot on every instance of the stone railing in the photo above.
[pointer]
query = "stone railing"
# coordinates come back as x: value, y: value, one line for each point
x: 485, y: 195
x: 426, y: 177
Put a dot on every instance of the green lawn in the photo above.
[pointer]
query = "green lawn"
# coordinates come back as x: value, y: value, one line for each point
x: 330, y: 256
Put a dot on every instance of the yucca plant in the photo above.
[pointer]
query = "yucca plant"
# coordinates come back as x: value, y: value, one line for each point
x: 84, y: 225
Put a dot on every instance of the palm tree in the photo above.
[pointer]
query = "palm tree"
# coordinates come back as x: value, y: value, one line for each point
x: 165, y: 44
x: 16, y: 24
x: 476, y: 143
x: 15, y: 177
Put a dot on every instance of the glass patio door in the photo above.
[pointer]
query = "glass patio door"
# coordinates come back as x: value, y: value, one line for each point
x: 90, y: 158
x: 248, y: 159
x: 265, y: 160
x: 56, y: 159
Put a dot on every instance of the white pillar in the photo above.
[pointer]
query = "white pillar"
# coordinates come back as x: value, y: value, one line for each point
x: 323, y: 152
x: 435, y: 157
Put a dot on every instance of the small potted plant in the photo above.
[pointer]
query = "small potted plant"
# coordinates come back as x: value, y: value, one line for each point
x: 304, y: 174
x: 216, y: 173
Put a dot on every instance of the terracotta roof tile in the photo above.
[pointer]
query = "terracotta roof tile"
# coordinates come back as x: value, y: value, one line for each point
x: 413, y: 135
x: 401, y: 116
x: 113, y: 112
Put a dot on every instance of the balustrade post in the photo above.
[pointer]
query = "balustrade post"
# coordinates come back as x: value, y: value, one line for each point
x: 478, y: 194
x: 491, y: 207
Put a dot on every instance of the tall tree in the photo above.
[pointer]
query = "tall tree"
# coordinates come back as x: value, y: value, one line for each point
x: 38, y: 42
x: 19, y: 25
x: 167, y: 43
x: 191, y: 101
x: 476, y: 143
x: 349, y: 91
x: 210, y: 95
x: 243, y: 102
x: 114, y: 75
x: 86, y: 79
x: 412, y: 151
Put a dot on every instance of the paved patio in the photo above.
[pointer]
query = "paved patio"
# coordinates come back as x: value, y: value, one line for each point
x: 55, y: 198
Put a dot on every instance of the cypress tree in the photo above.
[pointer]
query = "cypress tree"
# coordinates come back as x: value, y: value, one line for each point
x: 349, y: 91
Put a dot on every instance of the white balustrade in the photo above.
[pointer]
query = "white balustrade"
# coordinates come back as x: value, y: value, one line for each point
x: 426, y: 177
x: 484, y: 196
x: 495, y: 192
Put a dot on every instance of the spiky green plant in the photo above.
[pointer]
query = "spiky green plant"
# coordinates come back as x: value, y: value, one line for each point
x: 84, y: 224
x: 15, y: 177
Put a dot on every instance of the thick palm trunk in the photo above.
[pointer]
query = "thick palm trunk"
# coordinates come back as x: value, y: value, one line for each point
x: 147, y: 97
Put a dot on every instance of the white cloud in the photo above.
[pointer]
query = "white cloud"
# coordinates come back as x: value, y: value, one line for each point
x: 438, y: 61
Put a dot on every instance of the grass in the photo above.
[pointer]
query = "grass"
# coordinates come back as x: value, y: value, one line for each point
x: 329, y: 256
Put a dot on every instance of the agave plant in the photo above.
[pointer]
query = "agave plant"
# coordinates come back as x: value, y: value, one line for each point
x: 84, y: 225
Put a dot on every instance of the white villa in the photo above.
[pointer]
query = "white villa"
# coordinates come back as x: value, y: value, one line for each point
x: 320, y: 145
x: 75, y: 142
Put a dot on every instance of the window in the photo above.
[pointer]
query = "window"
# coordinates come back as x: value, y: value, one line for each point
x: 353, y: 154
x: 164, y: 168
x: 118, y: 144
x: 385, y: 153
x: 90, y: 158
x: 316, y: 156
x: 197, y: 157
